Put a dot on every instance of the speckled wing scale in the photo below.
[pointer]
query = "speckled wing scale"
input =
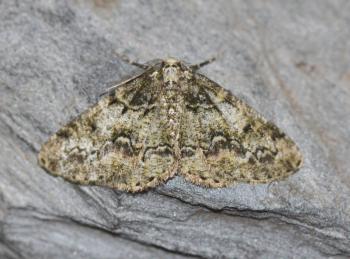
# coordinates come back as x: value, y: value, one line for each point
x: 169, y: 120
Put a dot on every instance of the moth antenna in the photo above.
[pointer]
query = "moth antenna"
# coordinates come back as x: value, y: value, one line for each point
x: 110, y: 89
x: 202, y: 64
x: 131, y: 62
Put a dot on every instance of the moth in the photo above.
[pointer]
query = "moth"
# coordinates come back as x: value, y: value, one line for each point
x: 169, y: 120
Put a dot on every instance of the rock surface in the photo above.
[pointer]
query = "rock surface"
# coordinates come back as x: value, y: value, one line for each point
x: 288, y: 59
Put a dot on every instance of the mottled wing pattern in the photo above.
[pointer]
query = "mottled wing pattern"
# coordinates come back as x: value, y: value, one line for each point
x: 119, y: 143
x: 224, y: 141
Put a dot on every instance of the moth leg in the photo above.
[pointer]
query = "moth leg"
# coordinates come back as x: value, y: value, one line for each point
x: 202, y: 64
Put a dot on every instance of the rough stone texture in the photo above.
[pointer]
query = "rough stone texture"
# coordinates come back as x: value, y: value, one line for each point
x: 288, y: 59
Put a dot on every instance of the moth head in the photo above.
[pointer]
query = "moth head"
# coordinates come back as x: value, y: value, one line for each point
x: 173, y: 70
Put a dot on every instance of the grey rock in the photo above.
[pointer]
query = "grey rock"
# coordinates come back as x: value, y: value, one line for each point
x: 288, y: 59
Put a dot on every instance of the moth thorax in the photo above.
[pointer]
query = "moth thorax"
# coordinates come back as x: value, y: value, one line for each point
x: 171, y: 76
